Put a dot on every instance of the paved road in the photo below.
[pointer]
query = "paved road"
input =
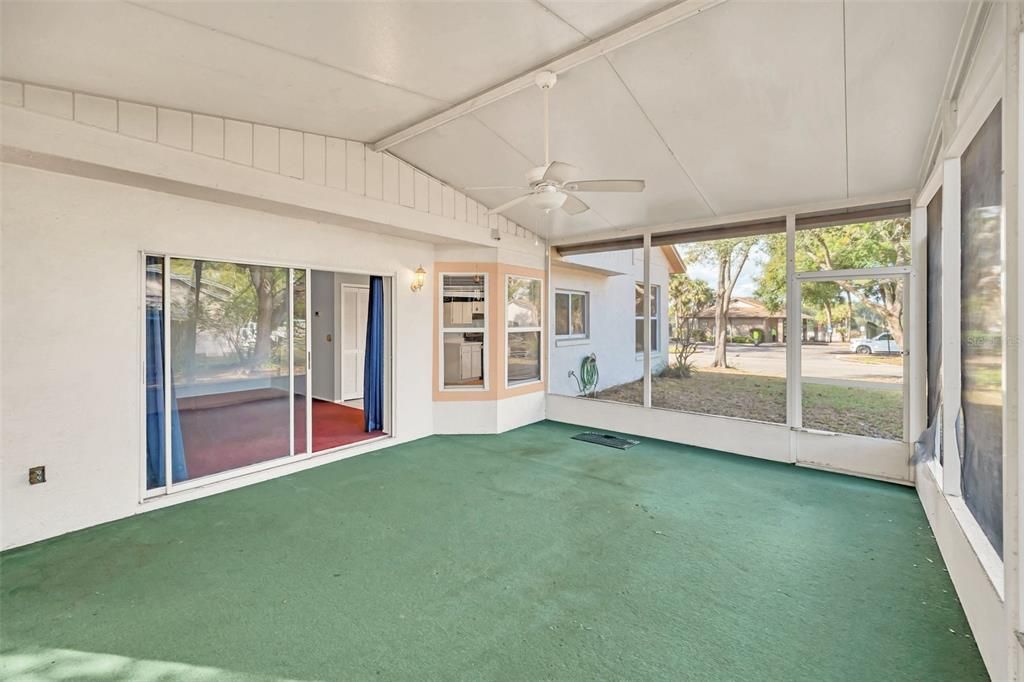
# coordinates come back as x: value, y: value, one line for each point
x: 833, y: 364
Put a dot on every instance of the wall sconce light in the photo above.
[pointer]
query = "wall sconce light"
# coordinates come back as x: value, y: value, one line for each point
x: 418, y: 278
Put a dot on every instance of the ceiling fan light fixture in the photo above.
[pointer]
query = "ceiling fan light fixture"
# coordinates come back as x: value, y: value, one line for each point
x: 549, y: 199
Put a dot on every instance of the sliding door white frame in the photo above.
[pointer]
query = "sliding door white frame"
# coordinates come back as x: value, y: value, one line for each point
x: 168, y: 378
x: 291, y: 361
x: 309, y: 365
x: 292, y: 456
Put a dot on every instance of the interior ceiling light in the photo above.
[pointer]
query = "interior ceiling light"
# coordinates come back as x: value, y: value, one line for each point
x: 551, y: 186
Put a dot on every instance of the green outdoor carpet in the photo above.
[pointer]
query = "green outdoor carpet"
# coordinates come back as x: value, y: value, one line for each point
x: 521, y: 556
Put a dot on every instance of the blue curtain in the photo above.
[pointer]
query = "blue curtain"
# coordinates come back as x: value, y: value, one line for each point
x: 373, y: 368
x: 155, y: 408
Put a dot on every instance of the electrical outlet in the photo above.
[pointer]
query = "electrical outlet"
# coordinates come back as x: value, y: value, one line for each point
x: 37, y: 475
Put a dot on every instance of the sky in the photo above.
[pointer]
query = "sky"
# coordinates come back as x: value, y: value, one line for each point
x: 708, y: 272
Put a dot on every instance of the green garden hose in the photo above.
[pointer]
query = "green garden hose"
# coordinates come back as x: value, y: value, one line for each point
x: 588, y: 376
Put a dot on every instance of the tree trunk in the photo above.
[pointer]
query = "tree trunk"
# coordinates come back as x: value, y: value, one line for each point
x: 263, y: 282
x: 722, y: 312
x: 721, y: 329
x: 828, y: 322
x: 192, y: 329
x: 849, y: 316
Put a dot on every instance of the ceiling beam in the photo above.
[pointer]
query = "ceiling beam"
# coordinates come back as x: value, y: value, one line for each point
x: 652, y: 23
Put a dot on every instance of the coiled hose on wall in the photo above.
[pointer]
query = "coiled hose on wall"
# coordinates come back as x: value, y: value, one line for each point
x: 588, y: 376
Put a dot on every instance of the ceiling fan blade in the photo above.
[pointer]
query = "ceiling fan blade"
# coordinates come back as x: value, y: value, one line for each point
x: 574, y: 205
x: 509, y: 204
x: 521, y: 188
x: 560, y: 172
x: 606, y: 186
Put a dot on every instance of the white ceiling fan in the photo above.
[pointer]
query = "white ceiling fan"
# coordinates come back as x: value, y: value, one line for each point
x: 552, y: 185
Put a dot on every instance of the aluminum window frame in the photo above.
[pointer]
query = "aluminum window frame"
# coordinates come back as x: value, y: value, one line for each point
x: 651, y: 296
x: 486, y: 364
x: 585, y: 336
x: 538, y: 328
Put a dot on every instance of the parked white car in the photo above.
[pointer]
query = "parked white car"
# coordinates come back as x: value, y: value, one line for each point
x: 883, y: 343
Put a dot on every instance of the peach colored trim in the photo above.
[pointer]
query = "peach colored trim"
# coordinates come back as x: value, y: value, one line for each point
x: 510, y: 392
x: 496, y: 371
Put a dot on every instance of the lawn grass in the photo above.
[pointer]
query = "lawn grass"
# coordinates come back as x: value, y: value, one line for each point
x: 877, y: 413
x: 891, y: 360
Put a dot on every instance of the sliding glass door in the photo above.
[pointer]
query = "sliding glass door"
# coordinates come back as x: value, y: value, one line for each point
x: 228, y: 363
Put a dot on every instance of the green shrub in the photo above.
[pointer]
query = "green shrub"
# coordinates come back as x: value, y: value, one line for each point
x: 741, y: 339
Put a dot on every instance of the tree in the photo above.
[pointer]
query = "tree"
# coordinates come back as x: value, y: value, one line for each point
x: 687, y: 297
x: 728, y: 256
x: 266, y: 281
x: 191, y: 331
x: 823, y: 296
x: 863, y: 245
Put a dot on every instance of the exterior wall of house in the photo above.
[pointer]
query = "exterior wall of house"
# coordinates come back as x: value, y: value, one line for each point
x: 81, y: 203
x: 612, y: 318
x: 495, y: 407
x: 72, y: 354
x: 746, y: 326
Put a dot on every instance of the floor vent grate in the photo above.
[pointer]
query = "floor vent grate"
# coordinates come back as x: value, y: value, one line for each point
x: 605, y: 439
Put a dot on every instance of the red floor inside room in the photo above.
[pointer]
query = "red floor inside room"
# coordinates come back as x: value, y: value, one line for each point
x: 233, y: 430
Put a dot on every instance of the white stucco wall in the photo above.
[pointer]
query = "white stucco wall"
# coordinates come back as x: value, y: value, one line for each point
x: 612, y: 321
x: 71, y: 356
x: 82, y: 201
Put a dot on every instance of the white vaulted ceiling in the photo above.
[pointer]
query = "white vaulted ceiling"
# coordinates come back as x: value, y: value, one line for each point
x: 746, y: 106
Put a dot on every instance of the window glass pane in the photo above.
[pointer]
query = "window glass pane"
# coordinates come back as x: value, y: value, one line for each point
x: 934, y: 315
x: 879, y: 243
x: 463, y: 359
x: 605, y: 367
x: 562, y: 314
x: 852, y: 366
x: 579, y: 314
x: 523, y: 302
x: 727, y: 360
x: 638, y: 340
x: 523, y: 357
x: 464, y: 301
x: 155, y: 422
x: 981, y: 328
x: 229, y: 360
x: 655, y: 316
x: 301, y: 376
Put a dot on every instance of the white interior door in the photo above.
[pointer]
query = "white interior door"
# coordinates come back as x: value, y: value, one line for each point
x: 354, y: 302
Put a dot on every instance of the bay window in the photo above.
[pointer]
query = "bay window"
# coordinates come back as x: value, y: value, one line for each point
x: 464, y: 331
x: 523, y: 329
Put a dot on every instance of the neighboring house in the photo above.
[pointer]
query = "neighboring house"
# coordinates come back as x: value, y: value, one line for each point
x: 745, y: 315
x: 597, y: 311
